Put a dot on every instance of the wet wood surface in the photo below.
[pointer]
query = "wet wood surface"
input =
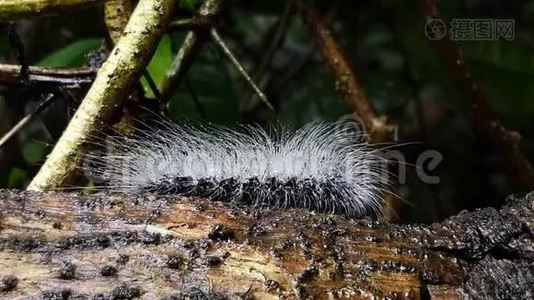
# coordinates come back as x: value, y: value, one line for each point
x: 71, y: 246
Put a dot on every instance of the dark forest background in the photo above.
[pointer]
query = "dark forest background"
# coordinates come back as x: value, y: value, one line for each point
x: 385, y: 40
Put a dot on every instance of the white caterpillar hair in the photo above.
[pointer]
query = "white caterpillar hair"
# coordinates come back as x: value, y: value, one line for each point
x: 322, y: 166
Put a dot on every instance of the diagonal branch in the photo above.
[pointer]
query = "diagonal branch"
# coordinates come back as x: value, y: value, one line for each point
x: 486, y: 123
x: 26, y: 120
x: 346, y: 81
x: 18, y: 9
x: 350, y: 88
x: 112, y: 84
x: 239, y: 67
x: 117, y: 13
x: 194, y: 40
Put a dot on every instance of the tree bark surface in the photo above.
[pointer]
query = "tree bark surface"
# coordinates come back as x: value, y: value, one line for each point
x: 71, y: 246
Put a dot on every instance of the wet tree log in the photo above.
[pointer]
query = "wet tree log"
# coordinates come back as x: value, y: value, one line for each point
x: 62, y: 246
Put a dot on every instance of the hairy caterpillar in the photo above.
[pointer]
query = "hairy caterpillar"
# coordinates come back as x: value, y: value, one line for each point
x: 322, y: 166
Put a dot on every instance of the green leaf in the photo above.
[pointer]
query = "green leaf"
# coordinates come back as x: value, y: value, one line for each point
x: 159, y: 64
x: 72, y: 55
x: 17, y: 178
x: 33, y: 152
x: 513, y: 56
x: 509, y: 92
x: 506, y: 72
x: 4, y: 46
x: 189, y: 4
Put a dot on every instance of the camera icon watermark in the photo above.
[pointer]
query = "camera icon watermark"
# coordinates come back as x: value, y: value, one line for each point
x: 435, y: 29
x: 460, y: 29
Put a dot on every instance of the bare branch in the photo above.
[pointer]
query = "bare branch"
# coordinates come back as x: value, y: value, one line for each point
x: 11, y: 74
x: 24, y: 121
x: 486, y: 123
x: 112, y: 84
x: 181, y: 63
x: 347, y: 83
x: 350, y: 88
x: 209, y: 11
x: 18, y: 9
x: 191, y: 24
x: 117, y: 13
x: 228, y: 53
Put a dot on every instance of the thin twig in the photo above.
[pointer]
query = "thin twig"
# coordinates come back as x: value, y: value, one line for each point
x: 181, y: 63
x: 24, y: 121
x: 190, y: 24
x: 486, y: 123
x: 198, y: 105
x: 153, y: 86
x: 276, y: 42
x: 352, y: 91
x: 228, y: 53
x: 193, y: 42
x: 346, y: 81
x: 11, y: 74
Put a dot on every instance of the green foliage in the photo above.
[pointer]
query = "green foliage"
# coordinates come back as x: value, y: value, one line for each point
x: 17, y: 178
x: 506, y: 72
x: 159, y: 64
x: 4, y: 46
x: 72, y: 55
x: 33, y: 152
x: 189, y: 4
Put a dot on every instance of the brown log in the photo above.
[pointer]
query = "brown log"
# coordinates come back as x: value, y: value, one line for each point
x: 109, y: 246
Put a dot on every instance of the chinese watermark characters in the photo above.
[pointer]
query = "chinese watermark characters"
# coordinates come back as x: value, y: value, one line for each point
x: 471, y: 29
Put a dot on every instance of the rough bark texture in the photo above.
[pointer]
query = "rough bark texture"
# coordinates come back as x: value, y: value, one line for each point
x: 103, y: 246
x: 117, y: 13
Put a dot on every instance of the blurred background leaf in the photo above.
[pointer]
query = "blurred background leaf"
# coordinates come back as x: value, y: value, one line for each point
x: 33, y: 152
x: 72, y: 55
x: 159, y: 64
